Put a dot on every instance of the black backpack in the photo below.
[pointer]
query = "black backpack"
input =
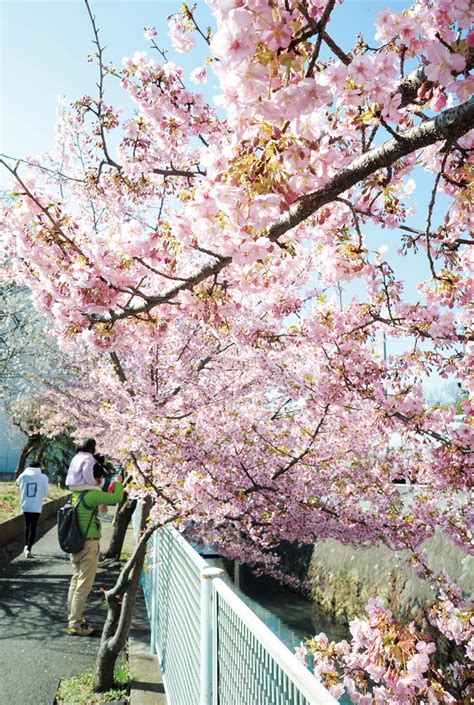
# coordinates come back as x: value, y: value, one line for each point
x: 70, y: 538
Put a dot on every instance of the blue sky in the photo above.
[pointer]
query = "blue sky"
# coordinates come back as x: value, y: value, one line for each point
x: 44, y: 50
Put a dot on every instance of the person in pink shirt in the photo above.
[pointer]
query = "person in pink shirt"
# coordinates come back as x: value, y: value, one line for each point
x: 80, y: 475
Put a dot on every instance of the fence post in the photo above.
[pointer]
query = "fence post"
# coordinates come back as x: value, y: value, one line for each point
x: 154, y: 593
x: 236, y: 574
x: 207, y: 637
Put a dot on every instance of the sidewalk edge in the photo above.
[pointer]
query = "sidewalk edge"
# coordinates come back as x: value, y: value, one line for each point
x: 147, y: 684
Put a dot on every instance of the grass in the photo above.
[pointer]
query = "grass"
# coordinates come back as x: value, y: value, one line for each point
x: 78, y: 690
x: 125, y: 554
x: 10, y: 499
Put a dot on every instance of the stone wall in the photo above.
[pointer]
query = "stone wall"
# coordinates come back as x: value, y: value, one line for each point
x: 343, y: 578
x: 14, y: 527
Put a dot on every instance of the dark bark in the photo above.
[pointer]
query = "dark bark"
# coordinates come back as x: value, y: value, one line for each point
x: 122, y: 519
x: 120, y: 603
x: 448, y: 125
x: 30, y: 444
x: 410, y: 85
x: 118, y: 367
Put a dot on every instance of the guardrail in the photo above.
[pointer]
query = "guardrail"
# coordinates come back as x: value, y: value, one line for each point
x: 213, y: 649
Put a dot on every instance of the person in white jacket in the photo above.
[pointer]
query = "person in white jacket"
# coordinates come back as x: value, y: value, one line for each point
x: 33, y: 489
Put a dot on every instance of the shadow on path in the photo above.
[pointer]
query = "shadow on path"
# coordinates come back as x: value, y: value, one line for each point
x: 35, y: 650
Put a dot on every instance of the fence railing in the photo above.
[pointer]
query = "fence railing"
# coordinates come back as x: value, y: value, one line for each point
x: 213, y: 649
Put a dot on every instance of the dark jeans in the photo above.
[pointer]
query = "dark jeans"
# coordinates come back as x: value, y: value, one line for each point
x: 31, y: 519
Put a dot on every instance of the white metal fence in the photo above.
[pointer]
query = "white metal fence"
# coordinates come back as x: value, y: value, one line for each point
x: 213, y: 649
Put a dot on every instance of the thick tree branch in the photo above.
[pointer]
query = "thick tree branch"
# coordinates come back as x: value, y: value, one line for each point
x: 152, y: 301
x: 409, y: 86
x: 336, y: 49
x: 178, y: 172
x: 450, y: 124
x: 117, y: 365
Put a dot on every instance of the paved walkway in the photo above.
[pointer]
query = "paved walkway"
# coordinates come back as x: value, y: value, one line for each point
x: 35, y: 651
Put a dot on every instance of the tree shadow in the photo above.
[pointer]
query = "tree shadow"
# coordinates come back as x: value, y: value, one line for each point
x: 33, y: 597
x: 14, y: 548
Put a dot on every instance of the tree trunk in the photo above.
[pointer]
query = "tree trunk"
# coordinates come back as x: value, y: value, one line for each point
x: 120, y: 603
x: 30, y: 443
x: 121, y: 522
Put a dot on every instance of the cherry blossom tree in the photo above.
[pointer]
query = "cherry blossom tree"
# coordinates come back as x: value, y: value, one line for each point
x: 194, y: 272
x: 29, y: 355
x: 24, y: 338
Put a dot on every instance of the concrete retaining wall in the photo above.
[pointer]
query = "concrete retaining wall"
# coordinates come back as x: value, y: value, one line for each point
x: 343, y: 578
x: 14, y: 527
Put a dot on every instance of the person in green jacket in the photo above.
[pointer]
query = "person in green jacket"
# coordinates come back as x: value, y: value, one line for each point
x: 84, y: 563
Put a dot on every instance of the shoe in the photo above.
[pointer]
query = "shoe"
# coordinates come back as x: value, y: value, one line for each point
x: 82, y: 630
x: 103, y: 516
x: 26, y: 552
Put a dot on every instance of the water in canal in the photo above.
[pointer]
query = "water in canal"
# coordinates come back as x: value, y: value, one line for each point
x: 291, y: 617
x: 299, y: 618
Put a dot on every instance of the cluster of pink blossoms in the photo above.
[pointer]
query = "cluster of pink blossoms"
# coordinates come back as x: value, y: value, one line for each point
x: 384, y: 663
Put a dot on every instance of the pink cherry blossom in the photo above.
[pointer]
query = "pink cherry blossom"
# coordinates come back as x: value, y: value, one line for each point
x: 198, y: 75
x: 180, y: 37
x: 150, y: 33
x: 237, y: 39
x: 442, y: 63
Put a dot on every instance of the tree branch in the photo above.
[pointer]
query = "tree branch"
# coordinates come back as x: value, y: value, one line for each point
x: 450, y: 124
x: 299, y: 457
x: 54, y: 172
x: 321, y: 27
x: 178, y: 172
x: 100, y: 86
x: 152, y: 301
x: 409, y: 86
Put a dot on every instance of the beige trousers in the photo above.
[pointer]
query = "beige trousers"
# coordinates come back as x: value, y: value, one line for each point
x: 84, y: 568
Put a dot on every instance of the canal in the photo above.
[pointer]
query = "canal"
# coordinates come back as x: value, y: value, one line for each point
x: 290, y: 616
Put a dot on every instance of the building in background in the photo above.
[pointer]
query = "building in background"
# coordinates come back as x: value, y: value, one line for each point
x: 11, y: 442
